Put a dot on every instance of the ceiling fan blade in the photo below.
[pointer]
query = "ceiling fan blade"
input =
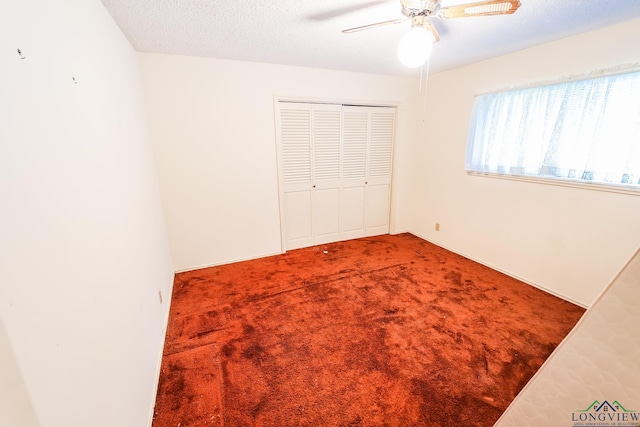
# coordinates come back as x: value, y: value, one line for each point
x: 377, y: 24
x: 482, y: 8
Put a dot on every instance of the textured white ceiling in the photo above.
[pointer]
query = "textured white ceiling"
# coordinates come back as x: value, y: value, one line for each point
x: 308, y: 33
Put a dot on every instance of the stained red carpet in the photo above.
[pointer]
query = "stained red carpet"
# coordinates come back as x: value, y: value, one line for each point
x: 383, y: 331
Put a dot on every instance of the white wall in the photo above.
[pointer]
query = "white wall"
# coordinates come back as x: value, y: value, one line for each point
x: 84, y: 251
x: 569, y: 241
x: 212, y: 127
x: 16, y: 408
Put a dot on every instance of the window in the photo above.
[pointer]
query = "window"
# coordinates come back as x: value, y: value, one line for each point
x: 585, y: 131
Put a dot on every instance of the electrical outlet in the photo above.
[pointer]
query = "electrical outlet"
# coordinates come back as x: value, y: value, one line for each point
x: 160, y: 296
x: 437, y: 226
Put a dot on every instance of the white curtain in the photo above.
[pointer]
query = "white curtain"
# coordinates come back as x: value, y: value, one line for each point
x: 583, y: 130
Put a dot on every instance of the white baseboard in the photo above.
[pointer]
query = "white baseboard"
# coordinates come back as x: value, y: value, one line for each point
x: 508, y: 273
x: 230, y: 261
x: 159, y: 362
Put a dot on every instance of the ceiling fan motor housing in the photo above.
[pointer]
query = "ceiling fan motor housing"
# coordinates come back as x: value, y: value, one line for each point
x: 411, y: 8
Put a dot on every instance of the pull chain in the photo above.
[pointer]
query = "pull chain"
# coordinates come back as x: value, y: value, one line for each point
x: 424, y: 75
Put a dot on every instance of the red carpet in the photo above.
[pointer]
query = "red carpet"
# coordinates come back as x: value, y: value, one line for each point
x: 382, y: 331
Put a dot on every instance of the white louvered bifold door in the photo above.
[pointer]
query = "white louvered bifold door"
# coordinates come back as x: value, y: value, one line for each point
x: 366, y: 170
x: 326, y: 145
x: 335, y: 171
x: 355, y: 138
x: 379, y: 161
x: 293, y: 129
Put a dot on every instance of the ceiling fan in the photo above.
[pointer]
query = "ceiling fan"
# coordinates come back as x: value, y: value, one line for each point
x: 415, y: 47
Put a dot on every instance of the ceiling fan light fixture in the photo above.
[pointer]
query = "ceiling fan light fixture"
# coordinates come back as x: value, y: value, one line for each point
x: 415, y: 47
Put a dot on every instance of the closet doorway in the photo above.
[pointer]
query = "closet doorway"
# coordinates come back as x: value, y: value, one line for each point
x: 334, y: 168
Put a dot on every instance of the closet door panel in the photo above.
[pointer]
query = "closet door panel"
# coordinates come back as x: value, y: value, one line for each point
x: 326, y: 145
x: 354, y: 146
x: 377, y: 209
x: 295, y: 145
x: 294, y: 152
x: 352, y: 213
x: 297, y: 206
x: 379, y: 159
x: 326, y: 215
x: 355, y: 136
x: 379, y: 162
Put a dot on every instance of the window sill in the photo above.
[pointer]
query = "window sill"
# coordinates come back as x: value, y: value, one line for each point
x: 633, y: 190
